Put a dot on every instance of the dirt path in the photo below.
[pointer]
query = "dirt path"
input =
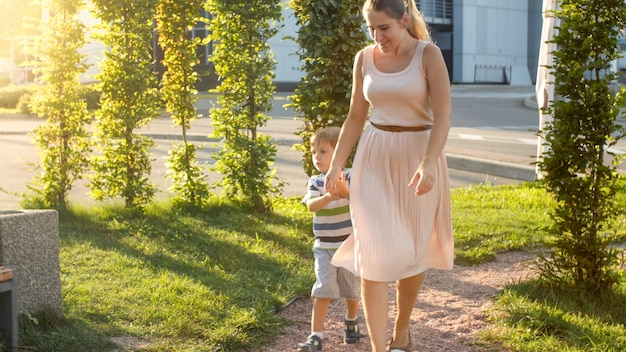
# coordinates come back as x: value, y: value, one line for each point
x: 449, y: 312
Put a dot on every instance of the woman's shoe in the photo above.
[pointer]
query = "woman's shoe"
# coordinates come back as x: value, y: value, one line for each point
x: 406, y: 348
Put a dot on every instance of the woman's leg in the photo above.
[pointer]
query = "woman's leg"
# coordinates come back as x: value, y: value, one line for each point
x: 375, y: 297
x: 406, y: 295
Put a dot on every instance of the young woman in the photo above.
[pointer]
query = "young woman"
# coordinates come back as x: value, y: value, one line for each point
x: 400, y: 197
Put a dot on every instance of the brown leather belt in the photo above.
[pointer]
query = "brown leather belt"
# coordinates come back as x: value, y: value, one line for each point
x: 401, y: 128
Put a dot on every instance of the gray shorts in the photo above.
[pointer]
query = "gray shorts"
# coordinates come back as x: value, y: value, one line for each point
x: 333, y: 282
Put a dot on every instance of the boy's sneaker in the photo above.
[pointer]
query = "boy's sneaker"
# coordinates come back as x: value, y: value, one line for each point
x: 353, y: 335
x: 313, y: 343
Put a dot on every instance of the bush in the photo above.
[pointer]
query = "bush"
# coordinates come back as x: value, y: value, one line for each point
x: 91, y: 94
x: 23, y: 104
x: 10, y: 95
x: 19, y: 97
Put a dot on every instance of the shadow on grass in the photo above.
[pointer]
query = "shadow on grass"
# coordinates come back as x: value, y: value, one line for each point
x: 254, y: 262
x: 40, y: 332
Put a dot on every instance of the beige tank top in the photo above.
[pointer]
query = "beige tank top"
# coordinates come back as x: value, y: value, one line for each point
x: 397, y: 98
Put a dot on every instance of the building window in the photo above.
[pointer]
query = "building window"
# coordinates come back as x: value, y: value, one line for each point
x: 203, y: 52
x: 436, y: 11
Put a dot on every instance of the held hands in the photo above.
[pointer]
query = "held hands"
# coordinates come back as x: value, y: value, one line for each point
x: 424, y: 178
x: 333, y: 196
x: 336, y: 185
x: 341, y: 188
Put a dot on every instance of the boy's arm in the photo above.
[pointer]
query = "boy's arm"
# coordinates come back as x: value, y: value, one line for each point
x: 318, y: 203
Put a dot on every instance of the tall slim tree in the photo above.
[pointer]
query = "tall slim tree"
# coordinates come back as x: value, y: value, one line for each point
x: 245, y: 64
x: 129, y: 101
x: 330, y: 35
x: 175, y: 19
x: 580, y: 171
x: 63, y: 139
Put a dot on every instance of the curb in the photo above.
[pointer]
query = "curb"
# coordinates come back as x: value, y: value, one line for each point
x: 491, y: 167
x: 198, y: 138
x: 531, y: 103
x: 455, y: 161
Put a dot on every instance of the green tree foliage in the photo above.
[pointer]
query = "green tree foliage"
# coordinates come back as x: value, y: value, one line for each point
x: 580, y: 170
x: 175, y: 19
x: 245, y: 64
x: 331, y: 33
x: 63, y: 139
x: 129, y: 101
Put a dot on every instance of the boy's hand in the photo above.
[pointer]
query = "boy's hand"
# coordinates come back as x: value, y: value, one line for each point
x: 334, y: 191
x: 342, y: 188
x: 333, y: 195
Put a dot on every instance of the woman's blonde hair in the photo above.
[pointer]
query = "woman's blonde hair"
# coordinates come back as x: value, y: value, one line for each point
x: 395, y: 9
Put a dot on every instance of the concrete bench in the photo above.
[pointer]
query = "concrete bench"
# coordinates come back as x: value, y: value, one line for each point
x: 29, y: 244
x: 8, y: 309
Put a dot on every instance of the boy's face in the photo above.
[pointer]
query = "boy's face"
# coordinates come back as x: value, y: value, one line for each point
x: 321, y: 154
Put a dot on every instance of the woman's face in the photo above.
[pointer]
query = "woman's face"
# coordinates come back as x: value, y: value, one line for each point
x: 386, y: 30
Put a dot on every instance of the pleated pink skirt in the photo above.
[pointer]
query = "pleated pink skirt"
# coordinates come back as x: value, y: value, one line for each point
x: 396, y: 233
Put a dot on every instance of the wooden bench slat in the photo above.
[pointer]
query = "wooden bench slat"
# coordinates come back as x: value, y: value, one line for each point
x: 6, y: 274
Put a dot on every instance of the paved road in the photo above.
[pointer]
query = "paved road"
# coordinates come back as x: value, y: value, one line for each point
x: 490, y: 126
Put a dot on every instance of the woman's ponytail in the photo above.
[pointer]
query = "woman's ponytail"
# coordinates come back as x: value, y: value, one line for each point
x: 417, y: 25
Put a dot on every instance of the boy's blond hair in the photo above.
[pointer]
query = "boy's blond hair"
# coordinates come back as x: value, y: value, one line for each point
x: 326, y: 135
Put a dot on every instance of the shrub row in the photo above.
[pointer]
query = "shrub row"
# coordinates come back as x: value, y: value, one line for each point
x: 19, y: 96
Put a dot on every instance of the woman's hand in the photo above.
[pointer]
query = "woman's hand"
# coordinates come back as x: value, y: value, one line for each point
x: 332, y: 179
x: 424, y: 178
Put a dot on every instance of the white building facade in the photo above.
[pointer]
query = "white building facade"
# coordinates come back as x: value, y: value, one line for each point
x: 483, y: 42
x: 492, y: 35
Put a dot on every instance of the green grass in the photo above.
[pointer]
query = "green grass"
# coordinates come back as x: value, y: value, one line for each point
x: 528, y: 316
x: 488, y: 220
x: 212, y: 280
x: 183, y: 282
x: 531, y: 317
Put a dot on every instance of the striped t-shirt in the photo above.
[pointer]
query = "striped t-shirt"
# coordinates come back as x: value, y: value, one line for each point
x: 332, y: 224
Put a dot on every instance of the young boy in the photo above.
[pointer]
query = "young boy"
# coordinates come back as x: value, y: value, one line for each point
x: 331, y: 226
